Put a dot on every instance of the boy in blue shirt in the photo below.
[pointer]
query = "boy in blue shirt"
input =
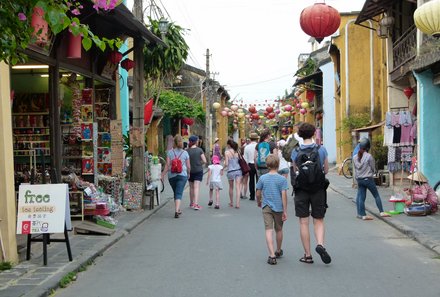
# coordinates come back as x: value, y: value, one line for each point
x: 273, y: 187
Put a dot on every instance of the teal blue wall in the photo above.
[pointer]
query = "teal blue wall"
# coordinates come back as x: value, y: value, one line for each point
x: 124, y: 92
x: 428, y: 121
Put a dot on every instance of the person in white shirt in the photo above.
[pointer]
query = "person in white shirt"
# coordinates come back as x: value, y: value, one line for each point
x: 249, y: 157
x: 283, y: 168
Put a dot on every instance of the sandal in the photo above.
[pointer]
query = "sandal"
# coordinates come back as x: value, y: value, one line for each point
x: 210, y: 202
x: 272, y: 260
x: 231, y: 204
x: 367, y: 218
x: 306, y: 259
x: 176, y: 215
x: 325, y: 257
x: 279, y: 254
x: 384, y: 215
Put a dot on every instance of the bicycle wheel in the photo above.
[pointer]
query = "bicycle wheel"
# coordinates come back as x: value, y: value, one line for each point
x: 347, y: 168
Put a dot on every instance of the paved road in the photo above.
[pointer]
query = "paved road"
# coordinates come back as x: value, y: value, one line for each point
x: 223, y: 253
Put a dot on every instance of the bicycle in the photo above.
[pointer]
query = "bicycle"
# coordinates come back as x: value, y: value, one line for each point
x: 347, y: 167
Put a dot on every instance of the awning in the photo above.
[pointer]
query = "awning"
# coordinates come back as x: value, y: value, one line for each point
x: 116, y: 22
x: 374, y: 8
x: 370, y: 128
x: 307, y: 78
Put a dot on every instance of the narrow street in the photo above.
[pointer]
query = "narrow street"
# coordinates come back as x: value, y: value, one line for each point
x: 223, y: 253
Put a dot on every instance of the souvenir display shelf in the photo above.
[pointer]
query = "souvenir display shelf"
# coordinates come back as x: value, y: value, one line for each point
x: 102, y: 110
x: 31, y: 138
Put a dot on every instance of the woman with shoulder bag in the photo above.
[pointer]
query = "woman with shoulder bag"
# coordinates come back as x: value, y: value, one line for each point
x: 234, y: 173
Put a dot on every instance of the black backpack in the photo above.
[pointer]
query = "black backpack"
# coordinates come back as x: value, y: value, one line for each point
x: 310, y: 174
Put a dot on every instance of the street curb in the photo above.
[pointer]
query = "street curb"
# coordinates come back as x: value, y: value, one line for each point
x: 404, y: 229
x: 47, y: 288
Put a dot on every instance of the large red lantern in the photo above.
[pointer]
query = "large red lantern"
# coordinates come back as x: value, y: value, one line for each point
x: 319, y: 21
x: 310, y: 95
x: 115, y: 57
x: 408, y: 92
x: 127, y: 64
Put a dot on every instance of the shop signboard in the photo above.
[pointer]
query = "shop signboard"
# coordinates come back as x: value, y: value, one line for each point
x: 43, y: 209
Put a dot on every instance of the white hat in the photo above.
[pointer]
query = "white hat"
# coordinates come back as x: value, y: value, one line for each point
x: 418, y: 176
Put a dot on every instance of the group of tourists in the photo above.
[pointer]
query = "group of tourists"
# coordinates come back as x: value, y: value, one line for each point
x: 267, y: 181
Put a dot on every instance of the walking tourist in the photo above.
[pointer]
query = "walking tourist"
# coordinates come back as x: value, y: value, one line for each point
x: 178, y: 168
x: 311, y: 164
x: 234, y: 172
x: 214, y: 180
x: 249, y: 157
x: 264, y: 147
x: 245, y: 180
x: 284, y: 165
x: 197, y: 160
x: 364, y: 172
x: 272, y: 197
x: 217, y: 150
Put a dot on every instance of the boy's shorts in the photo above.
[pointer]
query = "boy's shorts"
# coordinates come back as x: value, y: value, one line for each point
x: 317, y: 201
x: 272, y: 219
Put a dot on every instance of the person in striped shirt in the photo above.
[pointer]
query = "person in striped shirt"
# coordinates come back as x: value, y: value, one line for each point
x: 272, y: 197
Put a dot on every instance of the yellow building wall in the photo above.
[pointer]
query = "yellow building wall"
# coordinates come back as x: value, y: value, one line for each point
x: 362, y: 44
x: 7, y: 193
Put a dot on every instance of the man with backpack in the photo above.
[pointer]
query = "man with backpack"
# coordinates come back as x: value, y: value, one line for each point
x: 311, y: 164
x: 264, y: 147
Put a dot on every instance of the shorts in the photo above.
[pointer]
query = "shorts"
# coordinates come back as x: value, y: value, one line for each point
x: 283, y: 171
x: 178, y: 183
x: 272, y: 219
x: 232, y: 175
x: 215, y: 185
x: 317, y: 201
x: 196, y: 176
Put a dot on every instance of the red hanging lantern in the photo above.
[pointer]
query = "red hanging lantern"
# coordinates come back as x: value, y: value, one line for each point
x: 115, y: 57
x: 74, y: 46
x: 310, y: 95
x: 188, y: 121
x: 127, y: 64
x: 319, y: 21
x: 408, y: 92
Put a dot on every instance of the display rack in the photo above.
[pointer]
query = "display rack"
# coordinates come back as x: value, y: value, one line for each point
x: 102, y: 111
x: 31, y: 146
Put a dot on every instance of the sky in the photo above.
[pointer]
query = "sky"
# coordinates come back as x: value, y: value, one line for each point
x: 254, y: 44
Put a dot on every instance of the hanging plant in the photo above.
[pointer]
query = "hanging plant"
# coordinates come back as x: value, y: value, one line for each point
x: 17, y: 34
x: 176, y: 105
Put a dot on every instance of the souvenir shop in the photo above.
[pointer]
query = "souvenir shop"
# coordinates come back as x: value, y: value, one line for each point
x: 82, y: 129
x: 64, y: 115
x: 400, y: 136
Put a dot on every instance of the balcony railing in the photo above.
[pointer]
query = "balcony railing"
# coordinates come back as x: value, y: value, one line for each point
x: 405, y: 48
